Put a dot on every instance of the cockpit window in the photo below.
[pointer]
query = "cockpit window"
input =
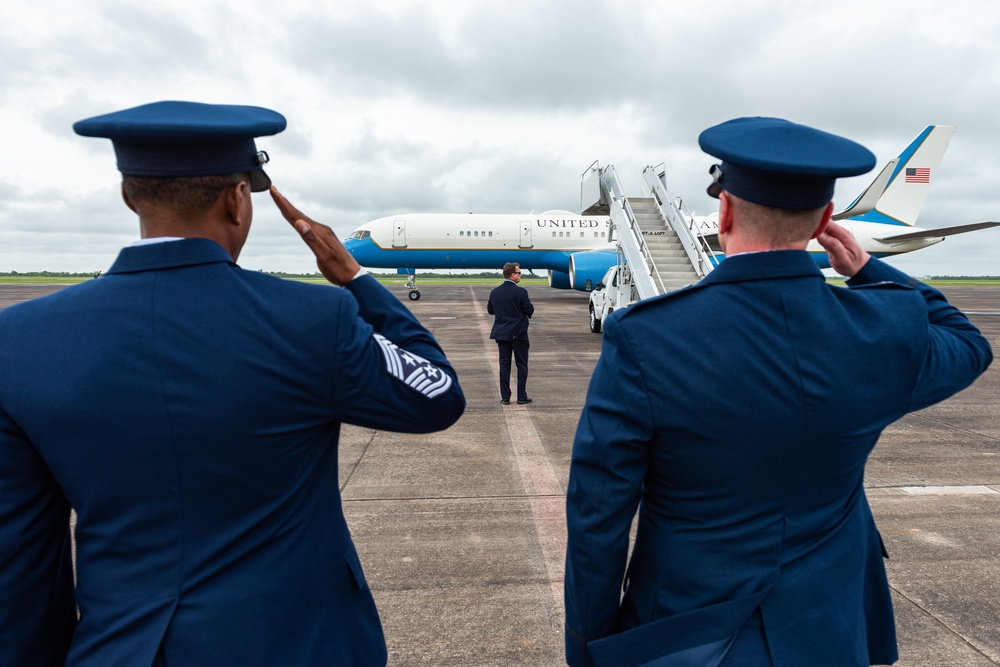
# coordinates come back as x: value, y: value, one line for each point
x: 360, y: 234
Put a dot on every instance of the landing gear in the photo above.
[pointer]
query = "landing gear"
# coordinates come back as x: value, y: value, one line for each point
x: 411, y: 284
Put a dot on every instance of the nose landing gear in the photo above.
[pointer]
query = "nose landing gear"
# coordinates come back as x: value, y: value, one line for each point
x: 411, y: 284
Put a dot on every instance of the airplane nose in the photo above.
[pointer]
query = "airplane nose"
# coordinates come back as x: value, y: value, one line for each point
x: 356, y: 247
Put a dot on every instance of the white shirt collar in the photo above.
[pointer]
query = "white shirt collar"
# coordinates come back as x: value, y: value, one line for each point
x: 156, y: 239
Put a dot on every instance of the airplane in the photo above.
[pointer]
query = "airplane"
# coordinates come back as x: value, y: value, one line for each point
x: 576, y: 251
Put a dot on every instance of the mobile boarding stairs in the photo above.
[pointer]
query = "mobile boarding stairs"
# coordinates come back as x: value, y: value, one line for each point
x: 658, y: 248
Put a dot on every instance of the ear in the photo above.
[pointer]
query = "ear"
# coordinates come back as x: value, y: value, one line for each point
x: 237, y: 198
x: 128, y: 202
x: 725, y: 213
x: 827, y: 217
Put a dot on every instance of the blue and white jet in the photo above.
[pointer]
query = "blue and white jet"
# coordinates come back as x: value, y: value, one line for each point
x: 575, y: 249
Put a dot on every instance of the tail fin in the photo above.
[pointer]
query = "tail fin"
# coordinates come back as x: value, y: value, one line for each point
x: 911, y: 179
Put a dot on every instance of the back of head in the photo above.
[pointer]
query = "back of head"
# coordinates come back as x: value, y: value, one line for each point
x: 771, y: 227
x: 508, y: 269
x: 184, y: 154
x: 779, y: 176
x: 190, y: 197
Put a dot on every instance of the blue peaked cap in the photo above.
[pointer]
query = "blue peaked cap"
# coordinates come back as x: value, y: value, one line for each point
x: 178, y: 139
x: 777, y: 163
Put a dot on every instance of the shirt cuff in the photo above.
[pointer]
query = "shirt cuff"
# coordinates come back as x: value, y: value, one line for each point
x: 361, y: 272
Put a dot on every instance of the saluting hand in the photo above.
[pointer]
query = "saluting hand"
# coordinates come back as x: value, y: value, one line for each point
x: 846, y: 255
x: 334, y: 261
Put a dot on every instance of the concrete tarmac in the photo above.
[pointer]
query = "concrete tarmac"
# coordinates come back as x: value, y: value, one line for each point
x: 462, y: 533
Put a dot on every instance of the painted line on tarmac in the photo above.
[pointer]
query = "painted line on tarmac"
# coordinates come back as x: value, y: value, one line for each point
x: 545, y: 494
x: 949, y: 490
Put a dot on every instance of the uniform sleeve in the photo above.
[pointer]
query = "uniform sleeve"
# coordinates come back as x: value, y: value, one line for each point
x: 37, y: 606
x: 609, y: 461
x: 396, y: 376
x: 957, y: 353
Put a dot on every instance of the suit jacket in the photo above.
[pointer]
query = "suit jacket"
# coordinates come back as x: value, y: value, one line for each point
x: 738, y: 415
x: 189, y: 411
x: 512, y: 308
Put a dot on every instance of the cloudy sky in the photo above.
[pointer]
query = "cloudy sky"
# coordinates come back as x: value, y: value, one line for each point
x: 403, y: 106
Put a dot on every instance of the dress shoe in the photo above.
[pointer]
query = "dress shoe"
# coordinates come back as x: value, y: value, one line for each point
x: 504, y: 401
x: 522, y: 401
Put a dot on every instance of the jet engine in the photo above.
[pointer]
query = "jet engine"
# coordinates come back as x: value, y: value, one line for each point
x: 587, y: 268
x: 558, y: 279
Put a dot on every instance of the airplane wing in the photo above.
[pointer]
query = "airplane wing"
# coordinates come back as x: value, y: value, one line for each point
x: 937, y: 233
x: 869, y: 198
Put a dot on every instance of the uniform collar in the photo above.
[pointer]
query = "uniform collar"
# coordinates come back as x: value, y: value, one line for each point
x: 186, y: 252
x: 764, y: 266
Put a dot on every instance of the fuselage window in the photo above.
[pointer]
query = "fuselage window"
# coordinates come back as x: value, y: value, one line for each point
x: 491, y: 233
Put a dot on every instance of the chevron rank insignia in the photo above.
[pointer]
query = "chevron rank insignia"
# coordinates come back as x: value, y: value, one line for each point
x: 413, y: 370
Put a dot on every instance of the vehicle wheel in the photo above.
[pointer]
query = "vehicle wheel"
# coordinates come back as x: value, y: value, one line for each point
x: 595, y: 324
x: 414, y: 295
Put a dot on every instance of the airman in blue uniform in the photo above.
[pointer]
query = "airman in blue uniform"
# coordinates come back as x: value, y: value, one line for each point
x: 736, y: 415
x: 189, y: 411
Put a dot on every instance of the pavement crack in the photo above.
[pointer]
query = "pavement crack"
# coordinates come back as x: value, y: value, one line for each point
x: 354, y: 468
x: 941, y: 624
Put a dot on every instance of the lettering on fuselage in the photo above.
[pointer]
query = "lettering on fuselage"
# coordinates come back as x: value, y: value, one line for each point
x: 567, y: 224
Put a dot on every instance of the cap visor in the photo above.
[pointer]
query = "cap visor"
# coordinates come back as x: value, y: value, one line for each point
x: 259, y: 181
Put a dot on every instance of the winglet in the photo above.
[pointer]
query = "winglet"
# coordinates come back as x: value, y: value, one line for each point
x: 867, y: 200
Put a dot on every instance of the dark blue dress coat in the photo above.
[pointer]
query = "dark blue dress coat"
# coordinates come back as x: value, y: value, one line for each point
x: 737, y: 415
x: 512, y: 308
x: 189, y: 411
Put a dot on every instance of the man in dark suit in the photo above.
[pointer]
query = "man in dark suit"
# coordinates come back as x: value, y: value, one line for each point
x: 737, y: 415
x: 511, y: 308
x: 189, y: 411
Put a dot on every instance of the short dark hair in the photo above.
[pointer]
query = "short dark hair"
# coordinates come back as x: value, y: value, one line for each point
x: 190, y: 196
x: 509, y: 268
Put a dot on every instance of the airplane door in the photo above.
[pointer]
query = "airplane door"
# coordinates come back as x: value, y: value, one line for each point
x: 525, y: 240
x: 399, y: 234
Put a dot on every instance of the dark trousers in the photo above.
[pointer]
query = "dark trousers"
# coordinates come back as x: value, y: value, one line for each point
x: 520, y: 350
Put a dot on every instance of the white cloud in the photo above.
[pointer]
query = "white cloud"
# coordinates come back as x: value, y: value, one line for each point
x: 413, y: 105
